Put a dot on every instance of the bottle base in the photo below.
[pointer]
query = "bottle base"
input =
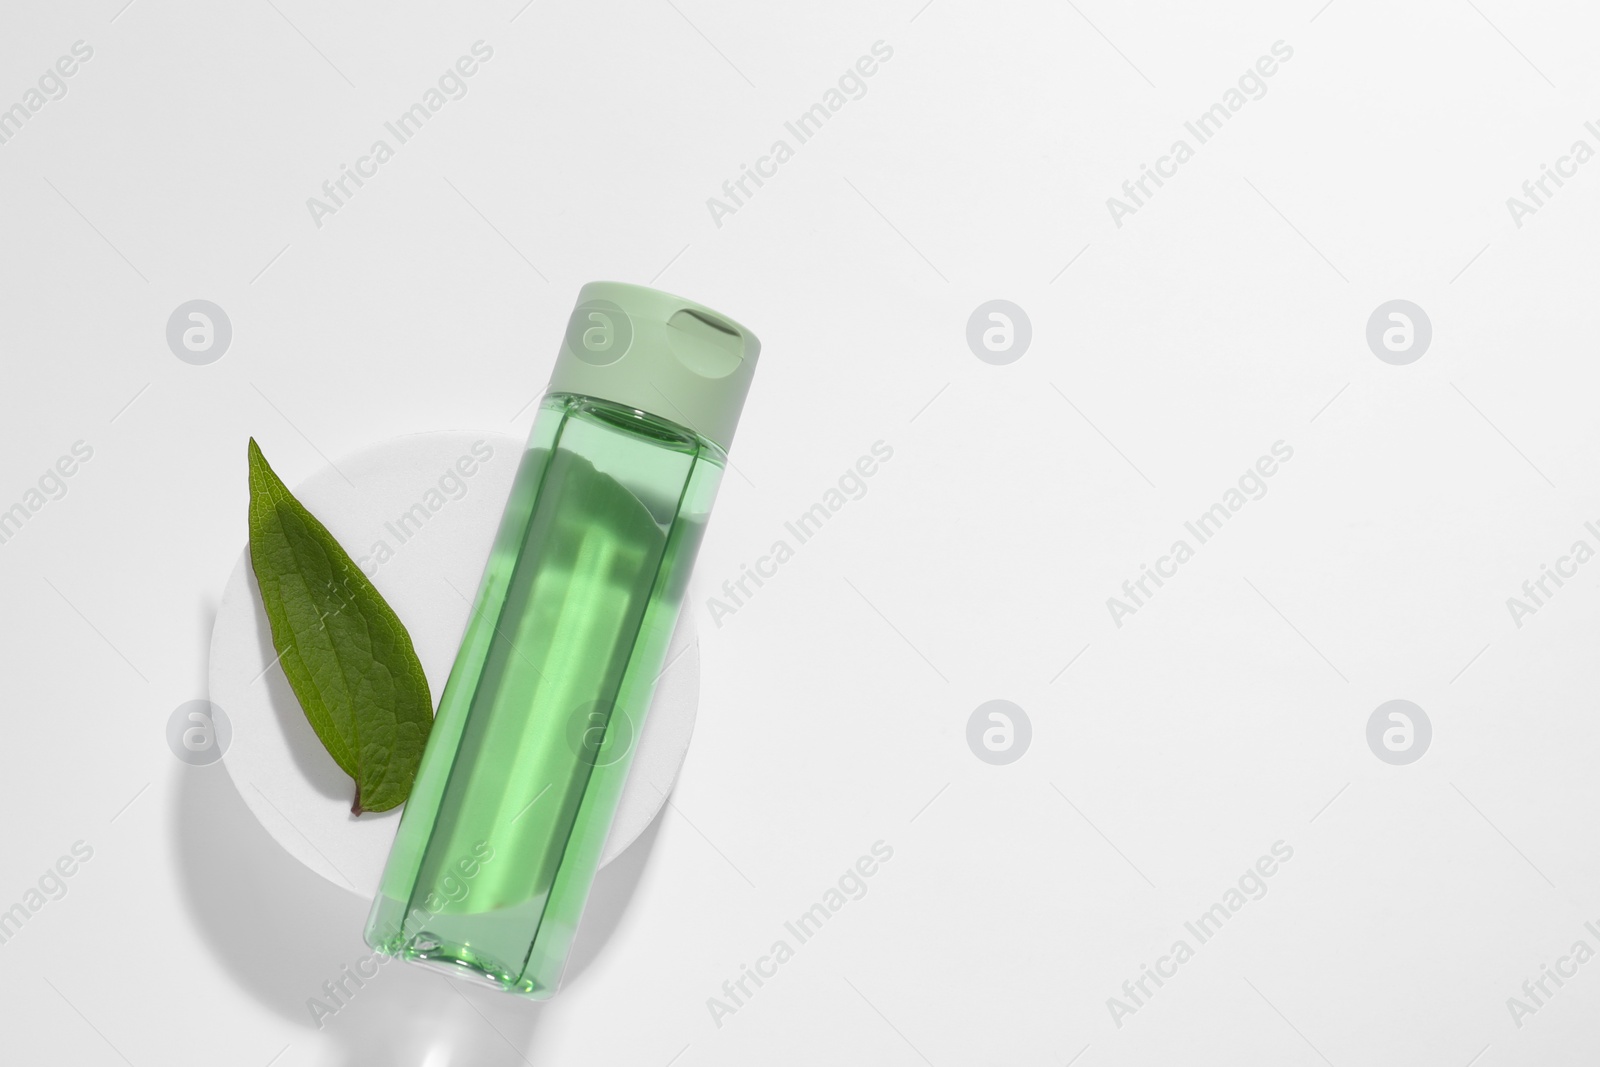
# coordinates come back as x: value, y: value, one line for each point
x: 461, y: 961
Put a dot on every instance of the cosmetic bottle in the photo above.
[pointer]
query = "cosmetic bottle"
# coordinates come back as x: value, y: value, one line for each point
x: 502, y: 834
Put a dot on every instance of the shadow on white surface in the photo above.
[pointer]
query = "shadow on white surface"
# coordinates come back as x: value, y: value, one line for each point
x: 282, y: 931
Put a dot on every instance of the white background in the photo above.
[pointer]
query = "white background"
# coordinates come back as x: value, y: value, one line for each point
x: 1229, y: 313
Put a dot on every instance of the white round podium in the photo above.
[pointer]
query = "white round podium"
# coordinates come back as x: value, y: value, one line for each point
x: 418, y: 514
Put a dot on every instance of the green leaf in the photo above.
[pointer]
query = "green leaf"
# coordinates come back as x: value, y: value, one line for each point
x: 345, y: 652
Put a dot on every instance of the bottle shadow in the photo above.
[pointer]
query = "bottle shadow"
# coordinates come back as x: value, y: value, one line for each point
x: 293, y: 941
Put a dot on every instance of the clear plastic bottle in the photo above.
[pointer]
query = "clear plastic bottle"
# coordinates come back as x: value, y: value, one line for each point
x: 503, y: 832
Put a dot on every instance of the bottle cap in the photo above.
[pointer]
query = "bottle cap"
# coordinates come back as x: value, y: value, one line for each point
x: 662, y: 354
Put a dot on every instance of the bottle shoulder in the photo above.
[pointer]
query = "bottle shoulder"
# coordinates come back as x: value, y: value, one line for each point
x: 633, y: 422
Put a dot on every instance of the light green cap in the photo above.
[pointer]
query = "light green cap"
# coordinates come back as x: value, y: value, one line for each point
x: 659, y: 353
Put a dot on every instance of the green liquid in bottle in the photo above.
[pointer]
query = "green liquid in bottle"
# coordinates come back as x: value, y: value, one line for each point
x: 506, y: 823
